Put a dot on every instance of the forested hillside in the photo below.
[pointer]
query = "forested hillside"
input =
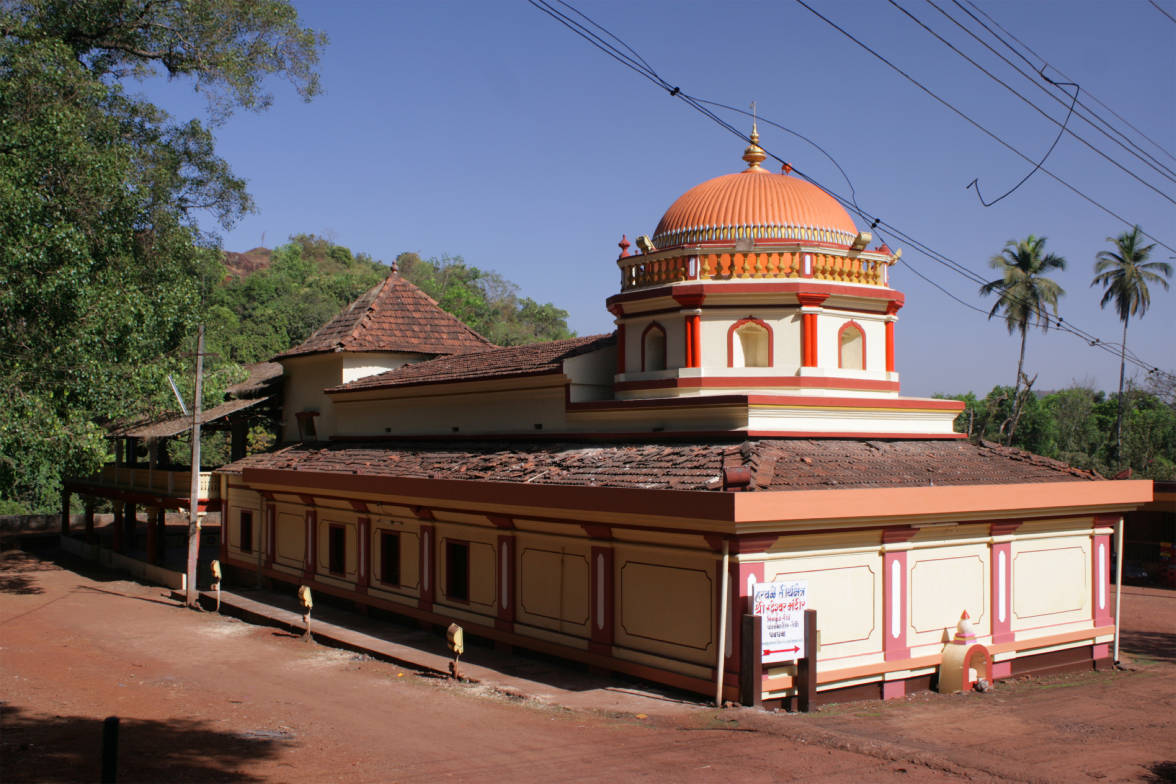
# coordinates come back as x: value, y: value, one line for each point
x: 273, y: 300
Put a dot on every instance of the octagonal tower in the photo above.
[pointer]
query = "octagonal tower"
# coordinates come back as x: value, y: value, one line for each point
x: 756, y: 283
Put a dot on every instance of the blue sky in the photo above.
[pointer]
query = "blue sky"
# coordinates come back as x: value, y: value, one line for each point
x: 487, y: 130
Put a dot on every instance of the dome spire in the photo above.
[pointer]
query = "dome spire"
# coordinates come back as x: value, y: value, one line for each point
x: 754, y: 154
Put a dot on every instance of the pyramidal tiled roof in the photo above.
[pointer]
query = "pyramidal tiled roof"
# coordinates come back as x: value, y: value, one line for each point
x: 392, y: 316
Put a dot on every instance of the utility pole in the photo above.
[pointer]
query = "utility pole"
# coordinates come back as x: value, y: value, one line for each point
x: 190, y: 593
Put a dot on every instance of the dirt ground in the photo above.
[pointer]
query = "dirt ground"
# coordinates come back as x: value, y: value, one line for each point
x: 203, y: 697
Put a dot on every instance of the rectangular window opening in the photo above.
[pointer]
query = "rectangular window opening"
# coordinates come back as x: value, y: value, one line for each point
x: 246, y: 543
x: 336, y: 549
x: 457, y: 570
x: 390, y: 557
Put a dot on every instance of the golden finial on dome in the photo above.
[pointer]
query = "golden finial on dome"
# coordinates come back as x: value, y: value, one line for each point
x: 754, y: 154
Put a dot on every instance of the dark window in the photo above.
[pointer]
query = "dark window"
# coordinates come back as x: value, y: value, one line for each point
x: 457, y: 570
x: 390, y: 557
x: 306, y: 426
x: 336, y: 549
x: 247, y: 532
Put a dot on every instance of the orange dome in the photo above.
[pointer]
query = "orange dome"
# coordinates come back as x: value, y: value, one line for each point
x: 758, y: 204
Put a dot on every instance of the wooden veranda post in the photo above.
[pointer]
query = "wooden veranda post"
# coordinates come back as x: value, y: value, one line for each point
x: 190, y: 592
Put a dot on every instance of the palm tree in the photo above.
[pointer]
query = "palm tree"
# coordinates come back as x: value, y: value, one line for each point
x: 1024, y: 291
x: 1124, y: 274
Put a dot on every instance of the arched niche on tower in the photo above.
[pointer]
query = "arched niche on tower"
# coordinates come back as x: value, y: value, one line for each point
x: 653, y: 347
x: 851, y: 346
x: 750, y: 344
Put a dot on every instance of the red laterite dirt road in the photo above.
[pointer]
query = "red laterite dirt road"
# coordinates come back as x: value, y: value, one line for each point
x: 203, y: 697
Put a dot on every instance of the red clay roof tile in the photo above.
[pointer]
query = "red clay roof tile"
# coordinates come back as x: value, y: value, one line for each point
x: 394, y: 315
x: 776, y: 464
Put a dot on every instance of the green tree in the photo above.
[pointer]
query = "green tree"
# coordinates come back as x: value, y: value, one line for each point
x: 1024, y: 293
x: 1124, y: 273
x: 485, y: 300
x: 102, y: 265
x: 308, y: 281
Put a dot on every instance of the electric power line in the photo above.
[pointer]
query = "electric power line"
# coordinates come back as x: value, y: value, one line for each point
x: 1045, y: 62
x: 639, y: 65
x: 975, y: 123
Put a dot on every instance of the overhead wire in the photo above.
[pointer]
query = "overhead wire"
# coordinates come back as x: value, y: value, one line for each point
x: 1133, y: 149
x: 1045, y: 62
x: 636, y: 63
x: 976, y: 124
x: 1063, y: 125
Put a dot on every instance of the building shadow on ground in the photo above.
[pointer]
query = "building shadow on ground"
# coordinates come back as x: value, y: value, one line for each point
x: 47, y: 748
x: 1151, y: 645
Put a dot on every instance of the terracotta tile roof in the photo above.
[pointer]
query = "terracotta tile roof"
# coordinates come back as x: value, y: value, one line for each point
x: 776, y: 464
x: 531, y: 359
x: 392, y: 316
x: 262, y: 376
x: 178, y: 423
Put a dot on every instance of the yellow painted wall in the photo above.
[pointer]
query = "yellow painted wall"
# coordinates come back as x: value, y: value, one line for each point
x: 666, y: 603
x: 483, y: 562
x: 241, y: 500
x: 553, y: 584
x: 290, y: 532
x: 326, y: 519
x: 409, y: 531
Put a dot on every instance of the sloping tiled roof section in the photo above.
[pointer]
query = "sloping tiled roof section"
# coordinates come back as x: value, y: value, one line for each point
x: 262, y: 376
x: 528, y: 360
x: 777, y: 464
x: 392, y: 316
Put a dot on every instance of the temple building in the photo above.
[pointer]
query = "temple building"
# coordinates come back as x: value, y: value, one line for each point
x: 621, y: 499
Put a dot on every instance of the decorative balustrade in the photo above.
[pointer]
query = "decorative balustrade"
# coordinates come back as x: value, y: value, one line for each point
x: 644, y: 270
x: 158, y: 480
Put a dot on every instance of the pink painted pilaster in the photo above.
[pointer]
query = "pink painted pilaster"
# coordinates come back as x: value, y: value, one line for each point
x: 1101, y: 579
x: 893, y: 690
x: 506, y: 581
x: 894, y: 595
x: 1002, y: 581
x: 603, y: 600
x: 270, y: 533
x: 363, y: 564
x: 226, y: 524
x: 427, y: 562
x: 310, y: 562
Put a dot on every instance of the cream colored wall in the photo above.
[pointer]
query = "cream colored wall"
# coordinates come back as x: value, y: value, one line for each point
x: 785, y: 326
x: 361, y: 364
x: 326, y: 519
x: 476, y: 412
x: 290, y: 533
x: 844, y: 576
x: 1051, y: 581
x: 242, y: 500
x: 675, y: 326
x: 943, y: 582
x: 829, y: 324
x: 591, y: 375
x: 304, y: 379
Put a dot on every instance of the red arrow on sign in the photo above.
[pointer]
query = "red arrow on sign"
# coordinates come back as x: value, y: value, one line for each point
x: 769, y: 651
